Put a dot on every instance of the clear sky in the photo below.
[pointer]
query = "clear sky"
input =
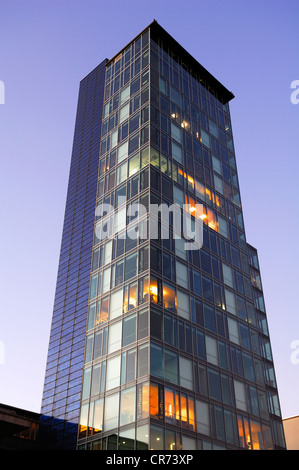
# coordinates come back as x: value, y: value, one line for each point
x: 46, y: 48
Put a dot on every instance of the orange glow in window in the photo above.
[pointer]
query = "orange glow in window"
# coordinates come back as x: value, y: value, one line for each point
x: 169, y: 404
x: 154, y: 400
x: 154, y: 291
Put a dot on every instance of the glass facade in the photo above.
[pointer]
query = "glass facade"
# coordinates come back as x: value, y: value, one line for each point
x: 63, y: 378
x: 177, y: 352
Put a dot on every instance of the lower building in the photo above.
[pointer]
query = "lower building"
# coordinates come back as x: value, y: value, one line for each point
x: 291, y: 431
x: 18, y: 429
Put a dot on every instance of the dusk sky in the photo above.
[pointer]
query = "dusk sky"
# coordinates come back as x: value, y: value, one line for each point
x: 46, y: 48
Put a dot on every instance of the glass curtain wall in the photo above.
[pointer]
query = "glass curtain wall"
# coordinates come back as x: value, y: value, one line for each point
x: 177, y: 353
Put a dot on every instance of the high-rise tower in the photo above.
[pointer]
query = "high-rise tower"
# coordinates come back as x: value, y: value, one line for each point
x: 155, y: 345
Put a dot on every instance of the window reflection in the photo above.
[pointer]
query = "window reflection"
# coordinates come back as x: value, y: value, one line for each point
x: 154, y: 290
x: 169, y: 297
x: 130, y: 299
x: 102, y: 311
x: 127, y: 406
x: 154, y: 400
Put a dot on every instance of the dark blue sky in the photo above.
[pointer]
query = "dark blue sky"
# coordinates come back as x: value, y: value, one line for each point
x: 46, y: 48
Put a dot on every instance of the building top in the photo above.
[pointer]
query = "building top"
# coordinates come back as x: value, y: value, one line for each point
x: 167, y: 42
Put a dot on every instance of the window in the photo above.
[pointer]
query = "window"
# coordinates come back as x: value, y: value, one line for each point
x: 170, y: 400
x: 93, y: 287
x: 91, y: 316
x: 83, y: 421
x: 240, y: 395
x: 214, y: 384
x: 134, y: 164
x: 126, y: 440
x: 200, y: 190
x: 129, y: 329
x: 177, y: 152
x: 116, y: 303
x: 181, y: 274
x: 203, y: 418
x: 127, y: 406
x: 183, y: 306
x: 175, y: 95
x: 222, y: 227
x: 178, y: 196
x: 156, y: 361
x: 180, y: 248
x: 86, y: 383
x: 102, y: 311
x: 188, y: 443
x: 176, y: 133
x: 169, y: 297
x: 122, y: 152
x: 171, y: 367
x: 114, y: 337
x: 154, y: 400
x: 96, y: 371
x: 98, y: 416
x: 230, y: 302
x: 211, y: 350
x: 233, y: 331
x: 121, y: 174
x: 130, y: 266
x: 128, y: 366
x: 124, y: 113
x: 213, y: 128
x: 111, y: 412
x: 124, y: 95
x: 106, y: 280
x: 107, y: 252
x: 113, y: 372
x: 205, y: 138
x: 142, y: 368
x: 142, y: 433
x: 156, y: 438
x: 227, y: 275
x: 218, y: 184
x: 114, y: 137
x: 130, y: 300
x: 99, y: 343
x: 120, y: 220
x: 186, y: 373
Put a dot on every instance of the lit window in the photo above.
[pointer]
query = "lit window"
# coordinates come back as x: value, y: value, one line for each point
x: 154, y: 400
x: 169, y: 404
x: 169, y: 297
x: 154, y: 290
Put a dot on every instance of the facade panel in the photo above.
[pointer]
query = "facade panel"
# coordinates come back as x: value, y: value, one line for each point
x: 62, y: 388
